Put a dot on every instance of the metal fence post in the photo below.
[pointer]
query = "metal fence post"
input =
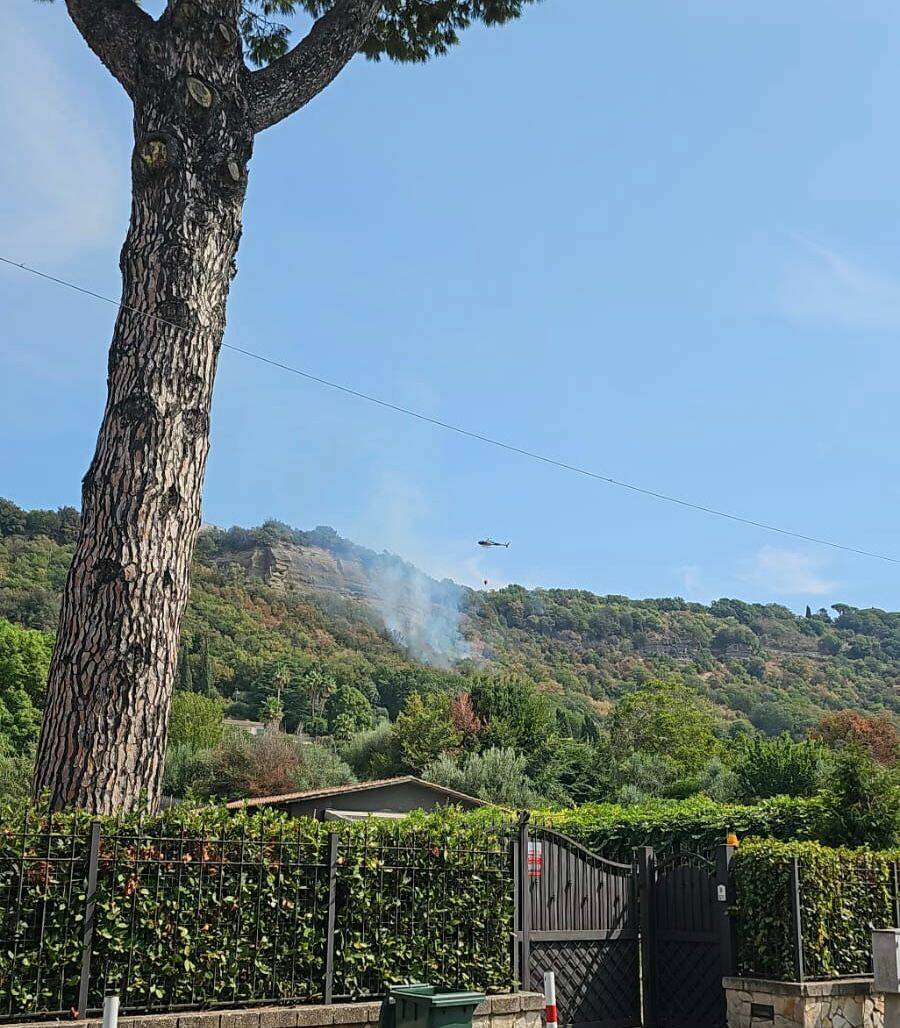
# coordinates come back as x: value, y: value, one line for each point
x: 332, y: 903
x: 517, y: 909
x: 896, y: 883
x: 725, y: 899
x: 645, y: 868
x: 90, y: 904
x: 525, y: 900
x: 798, y: 920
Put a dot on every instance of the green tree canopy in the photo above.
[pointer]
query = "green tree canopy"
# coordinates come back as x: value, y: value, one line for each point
x: 24, y: 660
x: 348, y: 711
x: 863, y: 801
x: 778, y: 767
x: 422, y: 732
x: 513, y: 712
x: 664, y: 719
x: 195, y: 721
x: 497, y: 776
x: 405, y: 30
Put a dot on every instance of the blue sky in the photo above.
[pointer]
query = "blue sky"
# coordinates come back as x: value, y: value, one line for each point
x: 656, y: 239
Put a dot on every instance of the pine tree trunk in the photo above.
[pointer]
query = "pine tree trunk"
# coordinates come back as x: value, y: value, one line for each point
x: 102, y: 743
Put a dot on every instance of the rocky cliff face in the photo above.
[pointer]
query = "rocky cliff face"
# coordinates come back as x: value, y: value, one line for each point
x: 420, y: 612
x: 304, y: 568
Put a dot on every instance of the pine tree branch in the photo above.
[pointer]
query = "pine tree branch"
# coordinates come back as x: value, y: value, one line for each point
x: 284, y: 86
x: 114, y: 30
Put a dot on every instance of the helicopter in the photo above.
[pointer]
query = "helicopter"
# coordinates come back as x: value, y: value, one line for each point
x: 490, y: 542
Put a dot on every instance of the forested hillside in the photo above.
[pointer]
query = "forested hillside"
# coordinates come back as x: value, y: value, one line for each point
x: 303, y: 615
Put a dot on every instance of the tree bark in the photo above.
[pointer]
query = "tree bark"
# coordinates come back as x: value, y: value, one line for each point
x: 197, y: 107
x: 103, y: 738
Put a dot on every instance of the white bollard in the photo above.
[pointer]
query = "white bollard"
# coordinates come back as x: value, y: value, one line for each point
x: 110, y: 1011
x: 550, y: 1015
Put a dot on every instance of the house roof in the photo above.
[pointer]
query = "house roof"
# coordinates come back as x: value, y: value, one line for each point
x: 341, y: 790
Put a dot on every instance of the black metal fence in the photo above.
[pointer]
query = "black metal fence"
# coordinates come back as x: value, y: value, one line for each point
x: 193, y: 912
x: 186, y: 920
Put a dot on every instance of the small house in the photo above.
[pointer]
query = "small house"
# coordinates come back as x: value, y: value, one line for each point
x: 389, y: 797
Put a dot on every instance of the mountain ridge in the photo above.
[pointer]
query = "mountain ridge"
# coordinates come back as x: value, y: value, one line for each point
x: 276, y: 594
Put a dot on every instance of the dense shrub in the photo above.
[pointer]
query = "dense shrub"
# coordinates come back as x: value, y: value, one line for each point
x: 778, y: 767
x: 195, y: 721
x: 497, y: 775
x: 200, y: 907
x: 843, y: 895
x: 697, y: 824
x: 863, y: 802
x: 269, y: 765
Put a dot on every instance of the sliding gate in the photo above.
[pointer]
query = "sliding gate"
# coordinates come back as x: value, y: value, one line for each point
x: 578, y: 917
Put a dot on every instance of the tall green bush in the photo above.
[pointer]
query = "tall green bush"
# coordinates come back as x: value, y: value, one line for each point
x: 844, y: 893
x: 779, y: 767
x: 863, y: 802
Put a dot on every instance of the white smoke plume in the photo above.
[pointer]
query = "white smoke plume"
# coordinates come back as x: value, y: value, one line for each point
x: 422, y: 614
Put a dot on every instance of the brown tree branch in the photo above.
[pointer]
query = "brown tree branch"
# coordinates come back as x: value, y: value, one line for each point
x: 114, y: 30
x: 293, y: 80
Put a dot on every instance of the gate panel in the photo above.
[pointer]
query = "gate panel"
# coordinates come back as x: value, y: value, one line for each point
x: 580, y: 920
x: 686, y: 954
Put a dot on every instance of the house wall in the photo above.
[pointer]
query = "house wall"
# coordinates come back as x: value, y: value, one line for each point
x: 390, y: 799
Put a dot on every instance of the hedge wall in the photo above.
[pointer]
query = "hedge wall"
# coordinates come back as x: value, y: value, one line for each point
x: 199, y: 908
x: 843, y: 895
x: 698, y: 824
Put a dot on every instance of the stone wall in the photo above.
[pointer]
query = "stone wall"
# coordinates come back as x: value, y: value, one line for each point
x: 513, y: 1010
x: 842, y: 1003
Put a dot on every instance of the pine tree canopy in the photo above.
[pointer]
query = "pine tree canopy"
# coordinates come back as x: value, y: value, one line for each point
x: 405, y: 30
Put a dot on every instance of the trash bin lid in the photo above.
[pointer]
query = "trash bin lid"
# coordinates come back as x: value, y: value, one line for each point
x: 456, y: 999
x: 429, y: 996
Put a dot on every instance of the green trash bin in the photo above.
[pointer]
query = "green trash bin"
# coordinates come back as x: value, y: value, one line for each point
x: 422, y: 1006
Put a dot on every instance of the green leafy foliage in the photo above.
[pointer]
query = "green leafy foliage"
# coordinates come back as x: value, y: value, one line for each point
x: 697, y: 824
x: 844, y: 893
x: 863, y: 802
x: 606, y: 698
x: 203, y: 907
x: 243, y: 766
x: 778, y: 767
x: 780, y: 672
x: 405, y: 30
x: 496, y: 775
x: 24, y: 663
x: 195, y: 721
x: 422, y: 732
x: 665, y: 720
x: 513, y: 713
x: 347, y: 711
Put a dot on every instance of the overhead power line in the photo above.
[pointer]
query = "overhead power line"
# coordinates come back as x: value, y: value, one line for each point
x: 469, y: 433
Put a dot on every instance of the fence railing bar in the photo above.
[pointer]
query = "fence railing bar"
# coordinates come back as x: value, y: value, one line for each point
x: 332, y: 911
x: 90, y: 907
x: 525, y: 902
x: 796, y: 905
